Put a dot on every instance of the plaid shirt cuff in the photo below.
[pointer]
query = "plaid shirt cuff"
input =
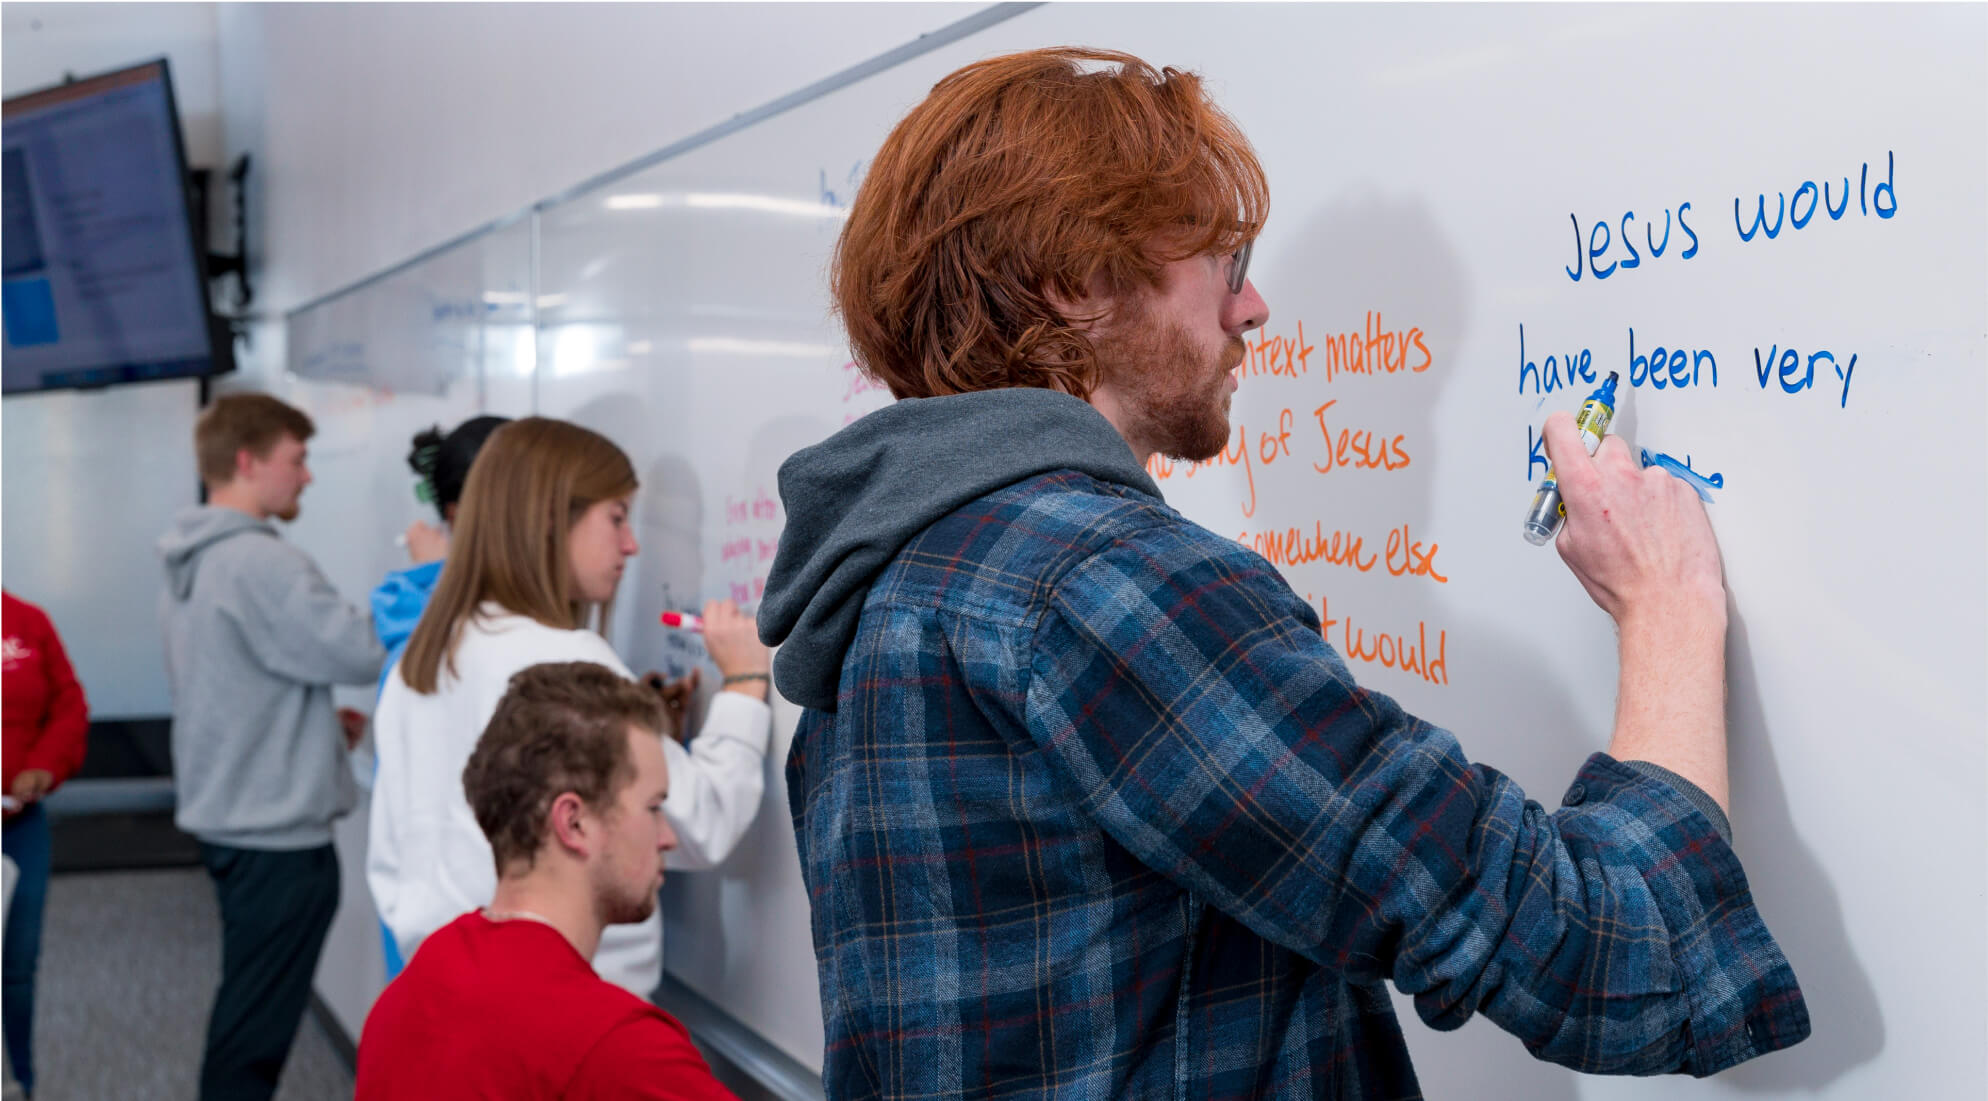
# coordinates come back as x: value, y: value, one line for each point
x: 1744, y: 1000
x: 1706, y: 805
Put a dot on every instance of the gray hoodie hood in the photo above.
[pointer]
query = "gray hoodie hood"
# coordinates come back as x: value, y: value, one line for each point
x: 195, y: 529
x: 855, y: 499
x: 255, y: 638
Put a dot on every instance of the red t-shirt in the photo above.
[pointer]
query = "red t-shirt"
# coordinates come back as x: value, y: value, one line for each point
x: 46, y: 721
x: 509, y: 1010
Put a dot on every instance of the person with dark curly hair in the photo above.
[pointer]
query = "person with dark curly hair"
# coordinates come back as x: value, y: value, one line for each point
x: 441, y: 464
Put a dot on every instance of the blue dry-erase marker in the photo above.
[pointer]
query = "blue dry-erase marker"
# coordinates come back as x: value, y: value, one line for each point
x: 1703, y: 483
x: 1548, y: 510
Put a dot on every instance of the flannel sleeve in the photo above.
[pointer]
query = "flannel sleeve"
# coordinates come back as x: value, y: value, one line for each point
x: 1188, y: 694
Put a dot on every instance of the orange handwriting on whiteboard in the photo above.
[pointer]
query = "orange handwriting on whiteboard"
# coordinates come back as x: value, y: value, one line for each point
x: 1293, y: 547
x: 1358, y: 449
x: 1425, y: 657
x: 1270, y: 445
x: 1406, y: 556
x: 1376, y: 349
x: 1278, y: 356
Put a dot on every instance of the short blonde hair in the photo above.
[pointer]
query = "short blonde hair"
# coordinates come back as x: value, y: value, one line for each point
x: 237, y: 422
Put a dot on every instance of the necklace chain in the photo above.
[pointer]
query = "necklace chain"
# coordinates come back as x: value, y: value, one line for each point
x: 515, y: 915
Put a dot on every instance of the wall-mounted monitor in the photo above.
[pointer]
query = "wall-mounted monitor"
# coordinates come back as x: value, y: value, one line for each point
x: 103, y: 281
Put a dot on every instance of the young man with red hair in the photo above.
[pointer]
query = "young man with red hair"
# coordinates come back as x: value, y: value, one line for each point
x: 1084, y: 802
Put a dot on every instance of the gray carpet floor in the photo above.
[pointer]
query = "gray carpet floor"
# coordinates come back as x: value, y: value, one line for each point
x: 129, y: 963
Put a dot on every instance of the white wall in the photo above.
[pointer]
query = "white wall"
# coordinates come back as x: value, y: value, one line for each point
x: 43, y: 43
x: 380, y: 130
x: 93, y: 478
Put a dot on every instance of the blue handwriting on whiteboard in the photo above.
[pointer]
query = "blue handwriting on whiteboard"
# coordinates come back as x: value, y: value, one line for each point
x: 1662, y: 369
x: 1535, y: 452
x: 469, y: 310
x: 1556, y: 371
x: 1596, y: 246
x: 841, y: 199
x: 1703, y: 483
x: 1869, y: 201
x: 1786, y: 366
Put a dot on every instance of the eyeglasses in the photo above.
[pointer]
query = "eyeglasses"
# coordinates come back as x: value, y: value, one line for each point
x: 1239, y: 270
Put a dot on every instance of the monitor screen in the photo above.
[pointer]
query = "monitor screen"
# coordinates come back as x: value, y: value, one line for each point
x: 101, y: 282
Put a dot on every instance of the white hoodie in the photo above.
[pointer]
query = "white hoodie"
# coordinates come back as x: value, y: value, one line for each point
x: 427, y: 861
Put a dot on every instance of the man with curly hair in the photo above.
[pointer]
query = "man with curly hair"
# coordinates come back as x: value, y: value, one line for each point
x: 568, y: 783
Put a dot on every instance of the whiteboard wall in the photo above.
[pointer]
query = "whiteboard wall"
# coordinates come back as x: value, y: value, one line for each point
x: 1437, y: 177
x: 434, y: 342
x: 82, y: 513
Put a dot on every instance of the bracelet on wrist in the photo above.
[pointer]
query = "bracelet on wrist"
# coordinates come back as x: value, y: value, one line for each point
x: 740, y: 678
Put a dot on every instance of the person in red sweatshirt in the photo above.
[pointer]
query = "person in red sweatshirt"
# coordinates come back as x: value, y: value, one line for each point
x: 567, y: 782
x: 46, y: 724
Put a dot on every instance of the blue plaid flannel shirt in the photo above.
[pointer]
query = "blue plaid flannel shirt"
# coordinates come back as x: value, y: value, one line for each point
x: 1099, y: 814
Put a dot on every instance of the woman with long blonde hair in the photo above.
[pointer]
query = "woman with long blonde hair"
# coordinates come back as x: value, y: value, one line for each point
x: 541, y: 539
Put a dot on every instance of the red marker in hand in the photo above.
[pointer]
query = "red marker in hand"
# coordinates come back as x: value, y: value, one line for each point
x: 684, y: 621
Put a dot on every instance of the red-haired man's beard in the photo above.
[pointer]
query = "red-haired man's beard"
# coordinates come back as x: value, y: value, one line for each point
x: 1173, y: 392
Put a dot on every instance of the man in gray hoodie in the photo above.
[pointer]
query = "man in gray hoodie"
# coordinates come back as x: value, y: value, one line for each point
x: 255, y: 638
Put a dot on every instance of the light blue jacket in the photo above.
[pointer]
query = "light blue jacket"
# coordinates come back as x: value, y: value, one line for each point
x: 397, y: 606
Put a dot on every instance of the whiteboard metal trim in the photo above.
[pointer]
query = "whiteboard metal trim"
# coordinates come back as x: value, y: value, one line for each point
x: 418, y: 258
x: 531, y: 299
x: 781, y: 1074
x: 923, y: 44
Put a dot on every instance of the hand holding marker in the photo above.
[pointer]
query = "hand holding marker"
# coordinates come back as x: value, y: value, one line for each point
x: 1543, y: 519
x: 684, y: 621
x: 732, y: 640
